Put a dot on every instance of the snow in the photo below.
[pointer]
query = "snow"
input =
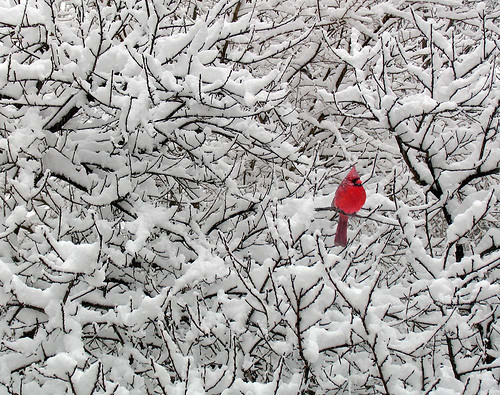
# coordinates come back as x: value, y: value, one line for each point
x: 13, y: 15
x: 235, y: 309
x: 320, y: 339
x: 76, y: 258
x: 466, y: 220
x: 61, y: 364
x: 86, y: 381
x: 443, y: 290
x: 165, y: 177
x: 17, y: 217
x: 206, y: 267
x: 148, y: 309
x: 39, y: 69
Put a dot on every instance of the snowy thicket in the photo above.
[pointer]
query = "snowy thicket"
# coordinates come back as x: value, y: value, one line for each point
x: 162, y: 164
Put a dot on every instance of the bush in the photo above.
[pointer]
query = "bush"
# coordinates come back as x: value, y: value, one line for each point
x: 166, y: 174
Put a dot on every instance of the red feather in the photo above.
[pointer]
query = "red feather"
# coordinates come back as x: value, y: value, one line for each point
x: 349, y: 199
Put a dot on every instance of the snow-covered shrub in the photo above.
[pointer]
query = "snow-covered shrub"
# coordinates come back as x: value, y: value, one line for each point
x: 162, y: 164
x: 417, y: 92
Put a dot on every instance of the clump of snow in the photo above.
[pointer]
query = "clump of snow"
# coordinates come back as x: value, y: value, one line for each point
x: 465, y: 221
x: 149, y: 217
x: 61, y: 365
x: 206, y: 267
x: 77, y: 258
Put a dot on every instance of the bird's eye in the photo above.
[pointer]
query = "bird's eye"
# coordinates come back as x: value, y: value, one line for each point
x: 356, y: 181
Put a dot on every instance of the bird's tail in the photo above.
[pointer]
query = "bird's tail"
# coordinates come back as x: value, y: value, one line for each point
x: 341, y: 235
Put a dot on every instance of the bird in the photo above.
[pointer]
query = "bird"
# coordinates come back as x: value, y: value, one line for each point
x: 349, y: 198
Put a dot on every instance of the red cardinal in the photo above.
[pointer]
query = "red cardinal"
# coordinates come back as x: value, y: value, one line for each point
x: 349, y: 199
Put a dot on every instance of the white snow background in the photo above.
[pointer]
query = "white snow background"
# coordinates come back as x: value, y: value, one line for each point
x: 166, y: 169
